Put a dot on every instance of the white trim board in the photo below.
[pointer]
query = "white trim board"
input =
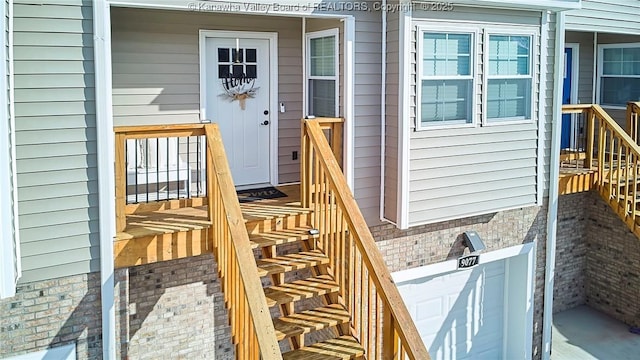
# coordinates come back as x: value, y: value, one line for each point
x: 106, y: 175
x: 272, y: 37
x: 520, y: 262
x: 10, y: 269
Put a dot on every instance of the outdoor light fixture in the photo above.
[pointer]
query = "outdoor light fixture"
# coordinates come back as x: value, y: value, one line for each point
x: 473, y: 241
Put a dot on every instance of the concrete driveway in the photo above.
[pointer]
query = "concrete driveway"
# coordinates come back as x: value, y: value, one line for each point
x: 583, y: 333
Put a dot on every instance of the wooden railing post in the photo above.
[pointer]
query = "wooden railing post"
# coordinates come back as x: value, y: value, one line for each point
x: 591, y: 123
x: 121, y: 181
x: 390, y: 336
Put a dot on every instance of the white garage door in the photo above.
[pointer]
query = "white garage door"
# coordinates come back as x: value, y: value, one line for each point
x: 460, y: 314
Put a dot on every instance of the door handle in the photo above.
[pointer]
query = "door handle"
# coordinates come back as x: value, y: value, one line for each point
x: 266, y: 122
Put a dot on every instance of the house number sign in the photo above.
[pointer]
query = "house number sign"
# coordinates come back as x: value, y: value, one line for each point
x: 468, y: 261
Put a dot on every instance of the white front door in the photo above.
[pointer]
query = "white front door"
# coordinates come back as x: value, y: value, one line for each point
x: 238, y: 99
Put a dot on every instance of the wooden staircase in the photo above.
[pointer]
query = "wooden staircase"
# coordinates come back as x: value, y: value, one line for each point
x: 297, y: 285
x: 302, y: 277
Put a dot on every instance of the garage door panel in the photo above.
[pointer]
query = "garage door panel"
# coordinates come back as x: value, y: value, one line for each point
x: 460, y: 314
x: 429, y: 309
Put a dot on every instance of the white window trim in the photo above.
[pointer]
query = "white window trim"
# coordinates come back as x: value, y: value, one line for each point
x: 336, y: 77
x: 474, y: 32
x: 601, y: 48
x: 533, y: 74
x: 10, y: 269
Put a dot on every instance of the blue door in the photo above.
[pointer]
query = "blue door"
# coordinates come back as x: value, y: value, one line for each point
x: 565, y: 141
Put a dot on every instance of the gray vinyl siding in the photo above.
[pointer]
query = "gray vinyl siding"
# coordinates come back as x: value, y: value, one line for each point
x: 391, y: 116
x: 367, y: 122
x: 56, y: 138
x: 157, y: 49
x: 459, y: 172
x: 612, y: 16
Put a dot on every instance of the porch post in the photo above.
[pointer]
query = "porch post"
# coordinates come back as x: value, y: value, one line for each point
x: 106, y: 177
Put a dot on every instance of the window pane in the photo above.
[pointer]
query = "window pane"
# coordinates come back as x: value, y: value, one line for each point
x: 612, y: 67
x: 618, y: 91
x: 509, y: 55
x: 322, y: 56
x: 446, y: 100
x: 446, y: 54
x: 509, y: 98
x: 612, y: 54
x: 621, y: 61
x: 322, y: 98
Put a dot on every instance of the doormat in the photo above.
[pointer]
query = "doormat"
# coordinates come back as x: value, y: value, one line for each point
x: 270, y: 192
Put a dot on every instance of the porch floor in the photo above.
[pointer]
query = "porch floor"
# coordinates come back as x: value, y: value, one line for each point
x: 584, y: 333
x: 195, y: 218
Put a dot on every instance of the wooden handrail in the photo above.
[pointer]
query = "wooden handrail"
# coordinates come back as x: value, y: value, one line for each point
x: 251, y: 324
x: 367, y: 288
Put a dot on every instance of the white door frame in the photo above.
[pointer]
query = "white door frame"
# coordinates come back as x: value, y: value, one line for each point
x: 272, y: 37
x: 575, y: 62
x: 520, y: 261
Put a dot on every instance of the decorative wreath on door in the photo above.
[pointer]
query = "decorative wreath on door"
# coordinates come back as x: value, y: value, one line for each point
x: 239, y: 88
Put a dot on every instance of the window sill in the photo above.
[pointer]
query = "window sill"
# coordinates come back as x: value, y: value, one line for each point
x: 502, y: 122
x: 451, y: 125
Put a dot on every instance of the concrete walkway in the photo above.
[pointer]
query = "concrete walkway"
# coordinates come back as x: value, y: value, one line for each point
x: 583, y: 333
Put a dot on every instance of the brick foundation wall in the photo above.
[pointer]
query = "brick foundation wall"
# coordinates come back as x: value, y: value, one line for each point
x: 433, y: 243
x: 613, y: 267
x: 571, y: 249
x: 172, y: 309
x: 52, y: 313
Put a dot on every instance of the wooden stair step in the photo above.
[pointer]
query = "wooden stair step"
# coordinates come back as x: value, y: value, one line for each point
x: 300, y: 289
x: 310, y: 320
x: 280, y: 237
x: 343, y: 347
x: 291, y: 262
x: 259, y: 219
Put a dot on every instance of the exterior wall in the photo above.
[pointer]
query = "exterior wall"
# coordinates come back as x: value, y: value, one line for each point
x: 172, y: 309
x: 495, y: 166
x: 55, y: 139
x: 612, y: 272
x: 586, y: 84
x: 433, y: 243
x: 615, y: 16
x: 156, y: 70
x: 571, y: 253
x: 52, y: 313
